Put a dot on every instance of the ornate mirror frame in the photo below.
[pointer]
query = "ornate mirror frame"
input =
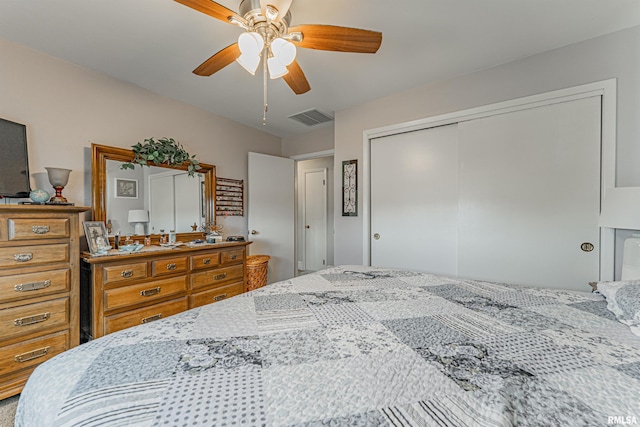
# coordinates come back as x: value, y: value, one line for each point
x: 99, y: 156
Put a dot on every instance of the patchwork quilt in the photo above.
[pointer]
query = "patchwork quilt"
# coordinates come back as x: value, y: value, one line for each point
x: 356, y: 346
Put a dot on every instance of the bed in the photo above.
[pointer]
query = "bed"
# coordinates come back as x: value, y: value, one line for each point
x: 355, y: 346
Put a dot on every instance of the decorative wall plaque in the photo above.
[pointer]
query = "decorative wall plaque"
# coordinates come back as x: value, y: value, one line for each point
x: 350, y: 188
x: 229, y: 197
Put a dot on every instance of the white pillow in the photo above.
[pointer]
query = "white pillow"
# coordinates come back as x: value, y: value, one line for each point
x: 623, y: 300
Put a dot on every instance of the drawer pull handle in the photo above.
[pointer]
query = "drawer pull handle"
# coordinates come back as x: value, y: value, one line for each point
x: 40, y: 229
x: 234, y: 256
x: 33, y: 286
x: 127, y: 273
x: 22, y: 257
x: 149, y: 292
x: 219, y: 276
x: 220, y: 297
x: 152, y: 318
x: 206, y: 261
x: 171, y: 266
x: 30, y: 355
x: 30, y: 320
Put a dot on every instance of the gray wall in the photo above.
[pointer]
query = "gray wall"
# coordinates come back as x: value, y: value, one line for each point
x: 613, y: 56
x: 67, y: 107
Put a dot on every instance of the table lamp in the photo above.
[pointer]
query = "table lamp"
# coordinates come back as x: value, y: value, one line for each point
x: 621, y: 209
x: 138, y: 217
x: 58, y: 178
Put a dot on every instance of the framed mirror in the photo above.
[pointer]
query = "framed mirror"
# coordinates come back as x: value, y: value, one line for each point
x: 154, y: 199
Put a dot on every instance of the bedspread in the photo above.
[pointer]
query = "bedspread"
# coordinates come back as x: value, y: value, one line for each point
x: 355, y: 346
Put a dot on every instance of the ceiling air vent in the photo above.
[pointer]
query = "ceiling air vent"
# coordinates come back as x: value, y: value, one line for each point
x: 311, y: 117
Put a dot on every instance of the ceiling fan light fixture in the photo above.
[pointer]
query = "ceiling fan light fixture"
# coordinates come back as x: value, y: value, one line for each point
x: 251, y: 43
x: 249, y: 62
x: 276, y: 68
x: 275, y: 10
x: 271, y: 13
x: 284, y: 51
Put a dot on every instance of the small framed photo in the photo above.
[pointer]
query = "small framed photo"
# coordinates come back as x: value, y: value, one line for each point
x: 96, y: 234
x: 126, y: 188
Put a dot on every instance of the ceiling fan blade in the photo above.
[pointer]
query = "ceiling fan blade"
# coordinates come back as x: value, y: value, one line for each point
x: 340, y: 39
x: 296, y: 79
x: 218, y: 61
x: 211, y: 8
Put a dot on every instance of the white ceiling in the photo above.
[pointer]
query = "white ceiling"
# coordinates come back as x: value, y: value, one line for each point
x: 156, y: 44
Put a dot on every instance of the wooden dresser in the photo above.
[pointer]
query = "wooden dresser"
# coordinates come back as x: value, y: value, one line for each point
x: 39, y: 288
x: 120, y: 291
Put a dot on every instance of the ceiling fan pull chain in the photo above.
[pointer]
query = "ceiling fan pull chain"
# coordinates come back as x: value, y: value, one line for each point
x: 265, y: 78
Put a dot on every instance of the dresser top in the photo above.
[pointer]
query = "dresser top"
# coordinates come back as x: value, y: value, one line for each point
x: 157, y: 251
x: 43, y: 208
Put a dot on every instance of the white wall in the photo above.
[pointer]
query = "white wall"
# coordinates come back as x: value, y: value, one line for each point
x: 66, y: 107
x: 314, y: 141
x: 613, y: 56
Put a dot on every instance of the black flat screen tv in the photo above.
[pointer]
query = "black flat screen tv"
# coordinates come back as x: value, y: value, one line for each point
x: 14, y: 161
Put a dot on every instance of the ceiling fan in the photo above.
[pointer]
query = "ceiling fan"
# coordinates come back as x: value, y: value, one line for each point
x: 268, y: 37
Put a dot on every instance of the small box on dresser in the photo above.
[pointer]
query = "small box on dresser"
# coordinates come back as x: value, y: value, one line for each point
x: 39, y: 288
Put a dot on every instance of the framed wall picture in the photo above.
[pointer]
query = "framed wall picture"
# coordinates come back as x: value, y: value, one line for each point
x: 96, y: 234
x: 350, y: 188
x: 126, y: 188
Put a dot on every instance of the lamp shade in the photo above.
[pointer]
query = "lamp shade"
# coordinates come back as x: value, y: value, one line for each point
x: 621, y: 208
x: 249, y: 62
x: 58, y: 177
x: 276, y: 69
x: 138, y: 215
x: 281, y: 6
x: 283, y: 50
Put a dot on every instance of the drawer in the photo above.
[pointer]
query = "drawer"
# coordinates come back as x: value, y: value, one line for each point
x: 219, y: 276
x: 232, y: 257
x: 215, y: 295
x: 36, y: 229
x: 29, y: 353
x: 124, y: 272
x: 121, y: 321
x: 23, y: 256
x: 166, y: 266
x: 31, y: 285
x: 200, y: 262
x: 25, y: 319
x: 143, y: 292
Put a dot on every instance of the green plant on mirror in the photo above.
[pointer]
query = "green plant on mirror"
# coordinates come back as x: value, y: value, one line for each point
x: 163, y: 151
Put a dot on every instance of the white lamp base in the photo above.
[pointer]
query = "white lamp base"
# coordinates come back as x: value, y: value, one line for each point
x: 631, y: 258
x: 139, y: 229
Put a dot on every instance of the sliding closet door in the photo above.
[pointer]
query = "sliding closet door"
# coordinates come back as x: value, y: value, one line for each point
x: 414, y: 187
x: 529, y: 195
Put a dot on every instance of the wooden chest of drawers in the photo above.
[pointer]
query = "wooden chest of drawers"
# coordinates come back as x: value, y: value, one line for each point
x: 39, y: 288
x: 120, y: 291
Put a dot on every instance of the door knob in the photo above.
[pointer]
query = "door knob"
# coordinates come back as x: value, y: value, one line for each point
x: 307, y: 227
x: 376, y: 236
x: 254, y: 232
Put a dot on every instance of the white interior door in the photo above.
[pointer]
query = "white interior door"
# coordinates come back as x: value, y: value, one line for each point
x: 414, y: 200
x: 530, y: 195
x: 162, y: 215
x: 188, y: 201
x: 271, y: 212
x: 315, y: 219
